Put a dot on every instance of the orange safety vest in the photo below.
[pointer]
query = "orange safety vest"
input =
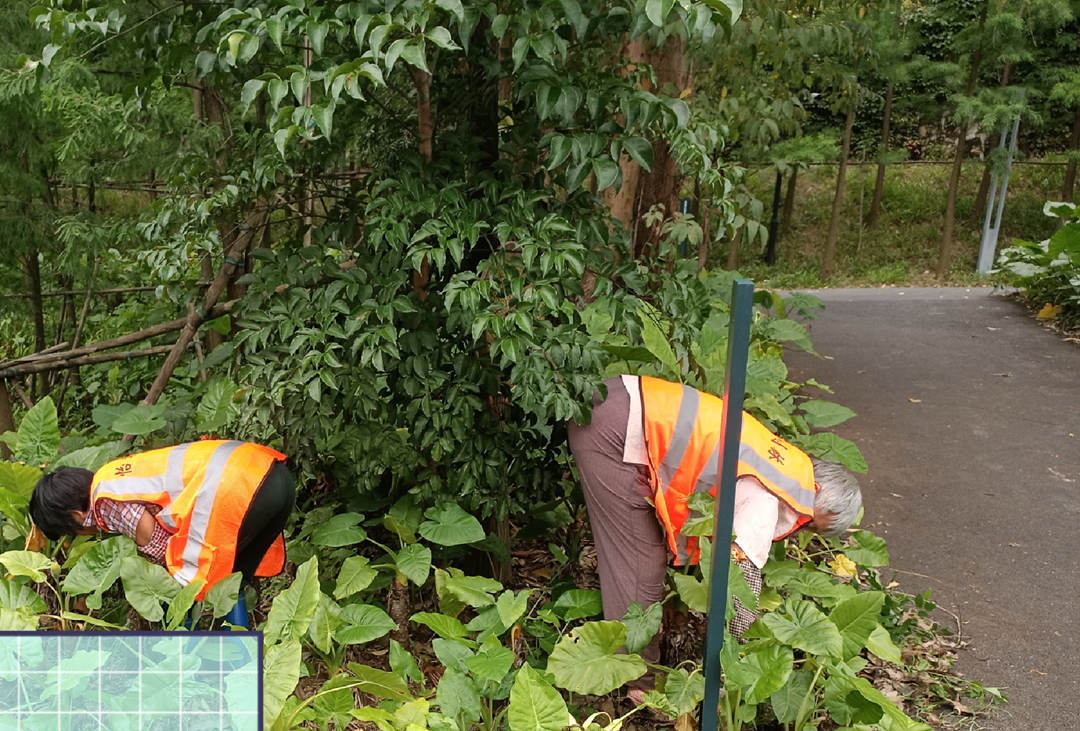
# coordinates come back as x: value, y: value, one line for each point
x: 204, y: 490
x: 682, y: 434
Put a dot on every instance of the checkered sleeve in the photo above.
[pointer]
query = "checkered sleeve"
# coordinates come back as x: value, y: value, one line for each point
x: 123, y: 517
x: 744, y: 617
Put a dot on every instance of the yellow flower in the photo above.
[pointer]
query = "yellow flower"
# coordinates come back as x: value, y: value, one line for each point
x: 843, y: 566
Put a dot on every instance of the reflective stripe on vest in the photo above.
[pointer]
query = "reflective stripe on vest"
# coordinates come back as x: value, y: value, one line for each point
x: 204, y: 490
x: 682, y: 434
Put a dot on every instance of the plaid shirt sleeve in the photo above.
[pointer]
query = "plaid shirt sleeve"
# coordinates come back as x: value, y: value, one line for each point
x: 123, y: 517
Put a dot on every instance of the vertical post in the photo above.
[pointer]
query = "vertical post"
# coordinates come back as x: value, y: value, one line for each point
x: 742, y: 309
x: 774, y: 222
x: 684, y: 208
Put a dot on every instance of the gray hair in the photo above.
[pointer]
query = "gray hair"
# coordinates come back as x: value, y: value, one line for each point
x: 838, y: 499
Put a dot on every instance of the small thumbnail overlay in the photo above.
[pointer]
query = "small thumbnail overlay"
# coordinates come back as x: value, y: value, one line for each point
x: 130, y: 681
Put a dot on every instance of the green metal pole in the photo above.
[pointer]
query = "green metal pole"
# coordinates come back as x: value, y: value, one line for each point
x: 742, y: 310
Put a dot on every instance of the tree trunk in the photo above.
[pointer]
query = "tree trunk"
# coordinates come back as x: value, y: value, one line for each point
x: 774, y: 221
x: 425, y: 131
x: 733, y: 252
x: 703, y: 248
x: 789, y: 199
x: 829, y: 260
x: 32, y: 283
x: 1069, y: 187
x: 7, y: 418
x: 879, y: 184
x: 399, y: 608
x: 945, y: 258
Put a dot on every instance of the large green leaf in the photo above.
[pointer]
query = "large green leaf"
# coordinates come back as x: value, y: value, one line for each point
x: 692, y: 591
x: 181, y: 604
x: 449, y: 525
x: 213, y: 410
x: 535, y: 705
x: 585, y: 661
x: 325, y: 623
x: 881, y: 644
x: 146, y: 586
x: 14, y: 595
x: 871, y: 549
x: 340, y: 530
x: 356, y: 575
x: 292, y: 610
x: 491, y: 662
x: 473, y: 590
x: 449, y: 627
x: 770, y: 668
x: 657, y: 343
x: 457, y: 695
x: 684, y: 691
x: 222, y: 596
x: 805, y: 627
x: 856, y: 618
x: 730, y: 9
x: 137, y: 419
x: 363, y: 623
x: 832, y: 448
x: 91, y: 458
x: 578, y: 604
x: 18, y: 620
x: 788, y: 700
x: 98, y: 569
x: 783, y: 329
x: 30, y: 564
x: 642, y: 626
x: 39, y: 434
x: 380, y: 683
x: 20, y: 479
x: 281, y: 673
x: 824, y: 414
x: 511, y: 606
x: 414, y: 563
x: 897, y: 718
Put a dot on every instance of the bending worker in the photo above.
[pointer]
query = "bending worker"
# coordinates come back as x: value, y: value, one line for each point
x: 651, y: 444
x: 202, y: 510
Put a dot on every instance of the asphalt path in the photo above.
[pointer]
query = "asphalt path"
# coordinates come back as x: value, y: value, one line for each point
x: 969, y: 417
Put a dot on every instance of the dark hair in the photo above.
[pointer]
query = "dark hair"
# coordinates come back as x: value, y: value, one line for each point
x: 55, y: 496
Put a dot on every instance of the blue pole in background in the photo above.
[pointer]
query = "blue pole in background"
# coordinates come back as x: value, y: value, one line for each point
x: 742, y: 310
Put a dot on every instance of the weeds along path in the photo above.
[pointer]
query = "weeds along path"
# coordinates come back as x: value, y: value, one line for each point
x: 969, y: 416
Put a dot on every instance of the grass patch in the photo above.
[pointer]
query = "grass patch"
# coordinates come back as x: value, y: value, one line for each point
x: 902, y: 249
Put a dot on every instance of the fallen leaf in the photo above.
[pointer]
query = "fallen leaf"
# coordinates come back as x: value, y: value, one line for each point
x: 915, y: 400
x: 1037, y: 672
x: 843, y: 566
x: 993, y: 329
x: 35, y: 540
x: 1048, y: 312
x: 685, y: 722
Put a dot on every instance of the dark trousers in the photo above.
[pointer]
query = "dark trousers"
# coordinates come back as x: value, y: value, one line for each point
x: 265, y: 519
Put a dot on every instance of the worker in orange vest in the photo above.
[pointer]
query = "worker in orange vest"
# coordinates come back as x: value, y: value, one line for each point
x: 649, y: 446
x: 202, y: 510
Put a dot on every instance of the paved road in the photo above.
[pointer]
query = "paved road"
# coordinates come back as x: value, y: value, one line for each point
x: 969, y: 416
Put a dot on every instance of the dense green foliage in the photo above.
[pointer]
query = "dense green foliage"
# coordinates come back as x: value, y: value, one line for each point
x: 1048, y: 272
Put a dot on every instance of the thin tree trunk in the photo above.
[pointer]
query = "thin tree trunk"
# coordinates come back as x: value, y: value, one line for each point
x: 1069, y: 187
x: 7, y: 418
x: 212, y: 338
x: 32, y: 284
x: 254, y: 222
x: 426, y: 132
x: 774, y: 221
x: 789, y: 199
x: 73, y: 373
x: 946, y: 255
x: 879, y: 184
x: 703, y: 248
x: 828, y: 262
x: 733, y: 252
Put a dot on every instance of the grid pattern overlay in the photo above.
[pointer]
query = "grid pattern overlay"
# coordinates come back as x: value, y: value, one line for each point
x: 163, y: 681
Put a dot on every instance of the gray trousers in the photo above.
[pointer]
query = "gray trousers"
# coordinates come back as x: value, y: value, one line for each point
x: 631, y: 550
